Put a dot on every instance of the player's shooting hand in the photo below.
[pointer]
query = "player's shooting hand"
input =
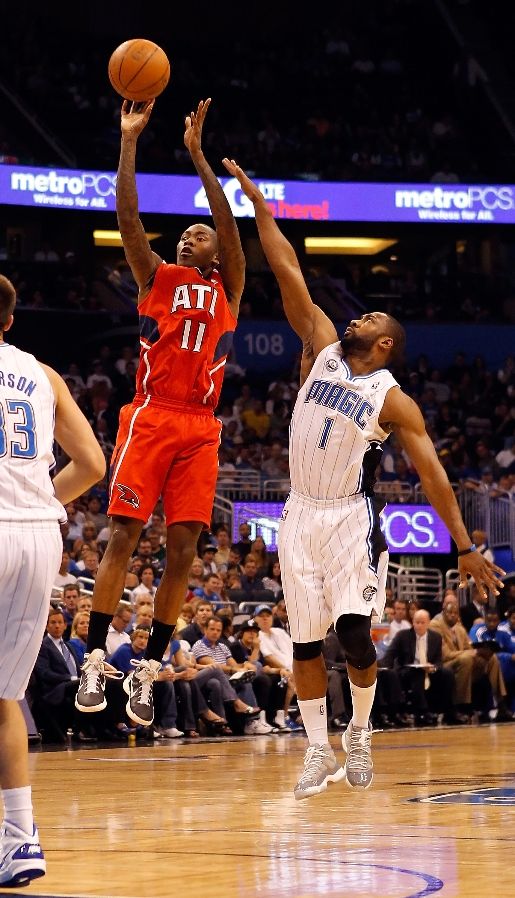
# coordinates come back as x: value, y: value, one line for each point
x: 193, y: 127
x: 485, y: 574
x: 249, y: 188
x: 135, y: 116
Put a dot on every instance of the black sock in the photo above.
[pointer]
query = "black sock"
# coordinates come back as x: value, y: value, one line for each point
x: 158, y: 640
x: 97, y: 630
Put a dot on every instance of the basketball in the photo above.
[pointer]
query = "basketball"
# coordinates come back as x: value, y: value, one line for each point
x: 139, y: 70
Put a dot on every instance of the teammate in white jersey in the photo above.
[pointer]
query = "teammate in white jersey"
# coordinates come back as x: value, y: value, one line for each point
x: 35, y: 407
x: 333, y: 556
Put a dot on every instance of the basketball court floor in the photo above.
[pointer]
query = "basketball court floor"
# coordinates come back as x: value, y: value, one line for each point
x: 217, y: 819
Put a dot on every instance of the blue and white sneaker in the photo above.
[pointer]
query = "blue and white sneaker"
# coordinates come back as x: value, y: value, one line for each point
x: 292, y: 725
x: 21, y: 857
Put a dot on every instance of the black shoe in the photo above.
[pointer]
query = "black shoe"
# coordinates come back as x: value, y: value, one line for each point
x: 403, y: 720
x: 83, y: 737
x: 503, y: 715
x: 339, y: 723
x: 385, y: 723
x: 456, y: 719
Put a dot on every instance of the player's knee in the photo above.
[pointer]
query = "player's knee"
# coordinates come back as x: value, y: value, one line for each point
x: 122, y: 543
x: 307, y: 651
x: 353, y: 631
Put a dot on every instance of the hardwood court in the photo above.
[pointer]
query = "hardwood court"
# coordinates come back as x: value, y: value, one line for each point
x: 217, y: 819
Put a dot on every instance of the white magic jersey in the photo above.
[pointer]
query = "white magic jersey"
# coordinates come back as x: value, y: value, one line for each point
x: 335, y: 434
x: 27, y: 407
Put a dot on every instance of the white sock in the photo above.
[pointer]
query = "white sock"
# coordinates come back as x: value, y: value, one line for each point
x: 314, y: 718
x: 362, y: 701
x: 262, y: 717
x: 279, y: 717
x: 18, y: 807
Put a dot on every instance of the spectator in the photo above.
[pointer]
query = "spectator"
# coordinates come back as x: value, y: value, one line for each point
x: 146, y: 585
x: 277, y: 649
x: 164, y: 692
x: 211, y: 651
x: 223, y: 548
x: 211, y: 591
x: 400, y: 619
x: 273, y: 582
x: 417, y: 653
x: 79, y: 635
x: 195, y: 631
x: 244, y: 543
x: 63, y: 576
x: 250, y: 582
x: 467, y: 664
x: 117, y: 633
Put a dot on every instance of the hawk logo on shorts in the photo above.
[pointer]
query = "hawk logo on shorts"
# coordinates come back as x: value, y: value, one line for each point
x: 128, y: 495
x: 331, y: 364
x: 369, y: 593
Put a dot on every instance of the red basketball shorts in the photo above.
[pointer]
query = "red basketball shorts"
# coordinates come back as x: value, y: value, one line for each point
x: 164, y: 450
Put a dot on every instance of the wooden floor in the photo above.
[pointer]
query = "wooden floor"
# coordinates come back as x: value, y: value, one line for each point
x: 217, y: 819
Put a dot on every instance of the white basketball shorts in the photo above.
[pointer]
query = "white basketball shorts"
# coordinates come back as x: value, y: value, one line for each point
x: 30, y: 557
x: 334, y: 561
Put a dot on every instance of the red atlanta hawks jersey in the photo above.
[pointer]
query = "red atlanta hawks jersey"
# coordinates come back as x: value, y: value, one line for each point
x: 186, y: 332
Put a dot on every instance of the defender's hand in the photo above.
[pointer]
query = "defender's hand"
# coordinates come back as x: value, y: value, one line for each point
x: 485, y: 574
x: 249, y: 188
x: 193, y: 127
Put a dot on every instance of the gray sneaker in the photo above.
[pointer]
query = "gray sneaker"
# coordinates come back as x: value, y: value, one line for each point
x: 320, y: 768
x: 359, y: 769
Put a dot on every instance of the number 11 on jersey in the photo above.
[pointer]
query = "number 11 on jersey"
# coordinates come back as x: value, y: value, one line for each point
x: 325, y: 432
x: 186, y: 334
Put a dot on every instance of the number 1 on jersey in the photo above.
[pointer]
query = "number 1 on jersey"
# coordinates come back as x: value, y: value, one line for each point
x: 185, y: 342
x: 325, y: 432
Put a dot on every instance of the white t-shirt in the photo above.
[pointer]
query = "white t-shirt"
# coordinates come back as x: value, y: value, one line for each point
x: 279, y: 644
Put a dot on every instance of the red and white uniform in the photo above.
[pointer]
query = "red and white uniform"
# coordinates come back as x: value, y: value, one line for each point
x: 168, y: 437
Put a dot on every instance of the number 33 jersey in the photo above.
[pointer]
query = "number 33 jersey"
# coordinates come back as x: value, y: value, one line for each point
x: 335, y: 435
x: 27, y: 409
x: 186, y: 333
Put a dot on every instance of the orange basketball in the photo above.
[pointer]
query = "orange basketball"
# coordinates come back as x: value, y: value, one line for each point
x: 139, y: 70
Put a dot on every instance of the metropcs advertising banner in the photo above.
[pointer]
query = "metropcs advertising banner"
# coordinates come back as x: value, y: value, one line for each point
x: 313, y: 201
x: 409, y: 529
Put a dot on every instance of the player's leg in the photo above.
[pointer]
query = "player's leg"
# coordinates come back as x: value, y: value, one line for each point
x: 181, y: 545
x: 188, y: 494
x: 309, y: 620
x: 29, y: 560
x: 143, y: 449
x: 109, y: 586
x: 355, y: 590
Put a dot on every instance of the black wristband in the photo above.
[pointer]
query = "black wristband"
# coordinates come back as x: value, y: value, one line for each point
x: 471, y: 548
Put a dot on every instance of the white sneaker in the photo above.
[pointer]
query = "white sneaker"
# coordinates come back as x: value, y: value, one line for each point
x: 170, y: 732
x: 90, y: 695
x: 257, y: 728
x: 320, y: 768
x: 21, y: 857
x: 359, y: 769
x: 138, y: 686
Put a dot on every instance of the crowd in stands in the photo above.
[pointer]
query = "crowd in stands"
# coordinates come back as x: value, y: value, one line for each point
x: 366, y: 98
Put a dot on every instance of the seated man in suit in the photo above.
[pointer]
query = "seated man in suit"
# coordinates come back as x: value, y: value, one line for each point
x: 430, y: 684
x: 57, y: 673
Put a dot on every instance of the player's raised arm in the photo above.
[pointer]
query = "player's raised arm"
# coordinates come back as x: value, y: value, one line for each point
x: 231, y: 256
x: 402, y: 415
x: 307, y: 320
x: 142, y: 260
x: 73, y: 433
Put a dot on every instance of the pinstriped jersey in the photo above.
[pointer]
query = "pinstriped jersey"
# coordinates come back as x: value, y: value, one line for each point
x: 335, y: 435
x: 27, y: 410
x: 186, y: 332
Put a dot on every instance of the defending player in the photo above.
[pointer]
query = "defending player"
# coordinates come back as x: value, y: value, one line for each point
x: 31, y: 546
x: 333, y: 556
x: 168, y: 437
